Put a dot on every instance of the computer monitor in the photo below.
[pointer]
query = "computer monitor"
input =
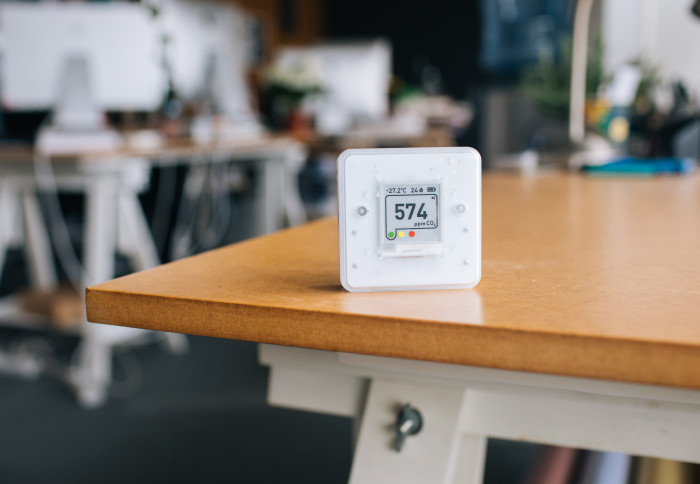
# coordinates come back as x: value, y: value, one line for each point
x: 355, y: 76
x: 207, y: 52
x: 115, y: 45
x: 79, y: 60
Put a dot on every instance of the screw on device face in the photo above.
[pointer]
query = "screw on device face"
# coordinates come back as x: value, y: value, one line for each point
x: 362, y: 211
x: 408, y: 422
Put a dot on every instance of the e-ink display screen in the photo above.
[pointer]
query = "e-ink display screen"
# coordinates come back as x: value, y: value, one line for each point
x: 411, y: 213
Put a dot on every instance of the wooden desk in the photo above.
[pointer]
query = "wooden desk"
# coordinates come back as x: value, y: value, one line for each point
x: 594, y: 280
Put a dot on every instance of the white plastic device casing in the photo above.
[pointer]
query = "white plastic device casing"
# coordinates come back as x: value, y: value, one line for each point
x: 369, y: 261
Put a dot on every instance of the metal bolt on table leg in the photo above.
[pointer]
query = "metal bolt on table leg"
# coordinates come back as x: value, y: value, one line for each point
x: 408, y: 422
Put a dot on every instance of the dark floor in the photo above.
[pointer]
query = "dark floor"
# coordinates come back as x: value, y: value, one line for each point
x: 195, y: 418
x: 198, y: 418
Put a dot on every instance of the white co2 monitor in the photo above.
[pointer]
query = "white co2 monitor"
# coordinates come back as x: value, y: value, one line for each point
x: 116, y: 42
x: 409, y: 219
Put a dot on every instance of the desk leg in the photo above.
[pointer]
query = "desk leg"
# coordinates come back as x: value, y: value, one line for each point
x: 139, y: 245
x: 471, y: 457
x: 38, y: 246
x: 134, y: 234
x: 446, y: 450
x: 293, y: 204
x: 94, y: 372
x: 11, y: 225
x: 432, y: 455
x: 100, y: 230
x: 195, y: 181
x: 269, y: 206
x: 25, y: 365
x: 6, y: 216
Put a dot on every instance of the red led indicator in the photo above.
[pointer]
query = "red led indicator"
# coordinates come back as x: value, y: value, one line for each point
x: 411, y: 234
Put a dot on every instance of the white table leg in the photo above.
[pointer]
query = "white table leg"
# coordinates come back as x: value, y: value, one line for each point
x: 25, y: 365
x: 100, y: 229
x: 93, y: 375
x: 269, y: 206
x: 142, y: 250
x: 471, y: 457
x: 11, y: 224
x: 293, y: 204
x: 137, y: 242
x: 94, y: 371
x: 182, y: 236
x: 39, y: 254
x: 6, y: 208
x: 429, y: 456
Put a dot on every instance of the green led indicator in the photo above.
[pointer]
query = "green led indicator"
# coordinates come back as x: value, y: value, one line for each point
x: 390, y: 235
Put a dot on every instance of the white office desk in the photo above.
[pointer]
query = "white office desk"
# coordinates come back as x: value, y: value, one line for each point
x: 277, y: 161
x: 115, y: 223
x: 583, y: 332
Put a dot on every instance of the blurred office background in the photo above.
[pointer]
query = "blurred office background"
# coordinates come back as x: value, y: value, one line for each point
x: 136, y: 133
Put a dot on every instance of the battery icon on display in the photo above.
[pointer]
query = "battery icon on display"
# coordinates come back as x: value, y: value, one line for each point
x: 431, y: 189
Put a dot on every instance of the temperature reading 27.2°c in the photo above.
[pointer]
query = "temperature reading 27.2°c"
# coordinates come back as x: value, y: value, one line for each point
x: 411, y: 211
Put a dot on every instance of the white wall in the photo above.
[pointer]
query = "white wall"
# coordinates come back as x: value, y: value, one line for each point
x: 664, y: 31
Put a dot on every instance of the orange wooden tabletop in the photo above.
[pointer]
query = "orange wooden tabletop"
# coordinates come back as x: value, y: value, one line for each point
x: 585, y: 277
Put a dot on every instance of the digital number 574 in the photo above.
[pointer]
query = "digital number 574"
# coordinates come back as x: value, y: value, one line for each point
x: 400, y: 210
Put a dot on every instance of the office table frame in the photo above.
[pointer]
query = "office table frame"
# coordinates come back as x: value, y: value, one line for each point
x: 115, y: 223
x: 462, y: 406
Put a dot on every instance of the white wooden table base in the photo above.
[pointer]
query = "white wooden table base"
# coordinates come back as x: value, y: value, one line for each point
x: 462, y: 406
x: 114, y: 221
